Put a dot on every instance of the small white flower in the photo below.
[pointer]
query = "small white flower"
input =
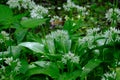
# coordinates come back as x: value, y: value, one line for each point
x: 8, y: 60
x: 58, y: 8
x: 75, y: 59
x: 4, y: 33
x: 5, y: 37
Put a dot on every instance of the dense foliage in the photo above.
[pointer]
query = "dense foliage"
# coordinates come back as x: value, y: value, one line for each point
x: 59, y: 40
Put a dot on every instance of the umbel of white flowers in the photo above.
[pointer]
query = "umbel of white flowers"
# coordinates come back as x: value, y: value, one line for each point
x: 70, y: 5
x: 26, y: 4
x: 113, y: 15
x: 70, y: 57
x: 36, y: 11
x: 5, y: 36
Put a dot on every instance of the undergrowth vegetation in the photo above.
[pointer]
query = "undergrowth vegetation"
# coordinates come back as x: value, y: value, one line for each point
x: 59, y: 40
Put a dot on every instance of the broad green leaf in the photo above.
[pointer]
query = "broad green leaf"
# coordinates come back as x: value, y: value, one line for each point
x: 32, y: 23
x: 34, y: 46
x: 15, y: 50
x: 5, y: 16
x: 5, y: 12
x: 24, y: 66
x: 42, y: 64
x: 89, y: 67
x: 70, y: 76
x: 20, y: 34
x: 49, y: 69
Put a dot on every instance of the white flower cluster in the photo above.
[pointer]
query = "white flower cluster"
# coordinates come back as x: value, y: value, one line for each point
x: 57, y: 35
x: 70, y: 57
x: 70, y: 5
x: 109, y: 76
x: 87, y: 41
x: 90, y: 37
x: 26, y: 4
x: 92, y: 31
x: 36, y: 11
x: 10, y: 61
x: 113, y: 15
x: 13, y: 65
x: 4, y: 36
x: 112, y: 35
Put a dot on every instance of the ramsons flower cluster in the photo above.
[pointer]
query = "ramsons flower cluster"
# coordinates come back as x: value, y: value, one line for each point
x: 26, y: 4
x: 109, y: 36
x: 70, y: 57
x: 13, y: 66
x: 4, y: 36
x: 113, y: 15
x: 70, y: 5
x: 36, y: 11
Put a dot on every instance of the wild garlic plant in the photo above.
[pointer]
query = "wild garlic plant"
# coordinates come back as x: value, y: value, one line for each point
x: 70, y: 60
x: 9, y: 68
x: 57, y: 42
x: 113, y: 15
x: 112, y: 35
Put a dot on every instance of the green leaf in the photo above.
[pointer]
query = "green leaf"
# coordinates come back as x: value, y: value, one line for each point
x: 34, y: 46
x: 5, y: 53
x: 89, y: 67
x: 20, y: 34
x: 24, y: 66
x: 70, y: 76
x: 32, y: 23
x: 15, y: 50
x: 5, y: 12
x: 117, y: 73
x: 48, y: 68
x: 5, y: 16
x: 68, y: 25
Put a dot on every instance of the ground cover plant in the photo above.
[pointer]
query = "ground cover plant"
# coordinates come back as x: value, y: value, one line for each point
x: 59, y: 39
